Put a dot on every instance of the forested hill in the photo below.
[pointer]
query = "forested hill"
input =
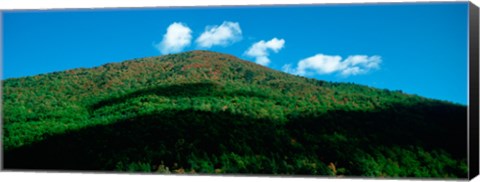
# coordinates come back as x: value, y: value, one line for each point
x: 207, y: 112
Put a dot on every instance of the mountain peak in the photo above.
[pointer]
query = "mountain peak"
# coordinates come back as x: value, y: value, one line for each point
x: 187, y: 110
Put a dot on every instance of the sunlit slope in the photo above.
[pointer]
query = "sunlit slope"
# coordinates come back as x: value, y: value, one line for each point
x: 209, y: 112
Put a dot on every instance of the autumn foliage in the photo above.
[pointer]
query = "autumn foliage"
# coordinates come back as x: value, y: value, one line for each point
x: 207, y: 112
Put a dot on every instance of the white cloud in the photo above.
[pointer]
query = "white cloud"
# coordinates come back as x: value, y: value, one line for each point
x: 327, y: 64
x: 223, y: 35
x: 365, y: 61
x: 352, y: 71
x: 178, y: 37
x: 260, y: 50
x: 322, y: 64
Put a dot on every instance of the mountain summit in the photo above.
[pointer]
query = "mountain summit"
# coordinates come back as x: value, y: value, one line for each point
x: 207, y: 112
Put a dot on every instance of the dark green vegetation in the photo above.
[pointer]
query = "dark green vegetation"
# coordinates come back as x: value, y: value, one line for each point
x: 205, y: 112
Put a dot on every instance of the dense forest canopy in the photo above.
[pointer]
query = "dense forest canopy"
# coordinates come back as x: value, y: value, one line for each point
x: 207, y: 112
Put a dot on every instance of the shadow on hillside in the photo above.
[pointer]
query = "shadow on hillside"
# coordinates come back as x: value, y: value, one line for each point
x: 174, y: 136
x: 429, y: 126
x: 180, y: 90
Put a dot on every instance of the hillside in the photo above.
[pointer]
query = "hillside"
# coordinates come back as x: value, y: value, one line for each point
x: 207, y: 112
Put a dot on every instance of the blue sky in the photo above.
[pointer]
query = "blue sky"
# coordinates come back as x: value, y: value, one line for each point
x: 417, y: 48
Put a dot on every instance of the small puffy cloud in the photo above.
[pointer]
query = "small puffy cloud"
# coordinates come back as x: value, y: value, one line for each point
x: 322, y: 64
x: 260, y: 50
x: 223, y: 35
x: 327, y: 64
x: 178, y: 37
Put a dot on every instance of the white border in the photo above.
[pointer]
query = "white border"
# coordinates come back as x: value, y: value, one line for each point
x: 8, y: 5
